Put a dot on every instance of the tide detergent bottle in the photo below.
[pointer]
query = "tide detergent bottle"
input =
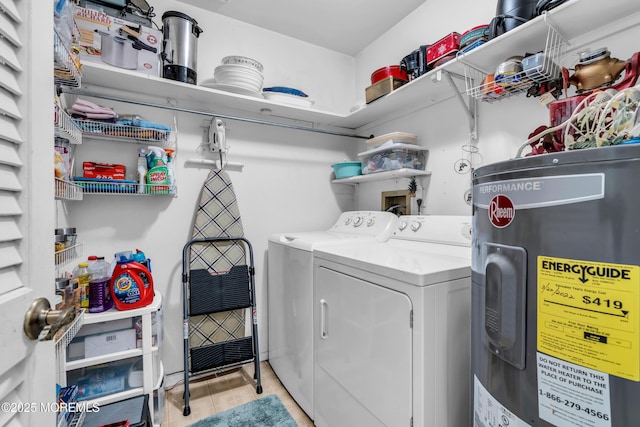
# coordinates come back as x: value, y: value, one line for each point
x: 131, y: 285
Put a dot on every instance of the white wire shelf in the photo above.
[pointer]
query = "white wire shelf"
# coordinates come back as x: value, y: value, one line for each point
x: 126, y: 188
x: 118, y: 132
x: 77, y: 420
x: 67, y: 255
x: 66, y: 190
x: 64, y: 338
x: 65, y: 127
x: 488, y: 85
x: 66, y: 65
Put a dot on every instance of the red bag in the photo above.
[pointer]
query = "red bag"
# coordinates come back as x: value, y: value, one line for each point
x: 103, y: 170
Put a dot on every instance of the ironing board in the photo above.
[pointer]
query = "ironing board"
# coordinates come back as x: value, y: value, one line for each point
x: 217, y: 246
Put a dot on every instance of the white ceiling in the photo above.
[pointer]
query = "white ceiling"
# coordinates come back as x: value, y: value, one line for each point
x: 345, y: 26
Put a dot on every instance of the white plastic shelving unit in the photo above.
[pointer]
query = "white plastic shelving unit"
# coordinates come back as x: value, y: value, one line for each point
x: 152, y: 368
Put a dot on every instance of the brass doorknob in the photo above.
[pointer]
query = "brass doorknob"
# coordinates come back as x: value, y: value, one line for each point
x: 39, y: 316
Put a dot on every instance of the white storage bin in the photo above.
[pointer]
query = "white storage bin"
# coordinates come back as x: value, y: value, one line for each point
x: 158, y: 404
x: 391, y: 157
x: 394, y: 137
x: 156, y: 329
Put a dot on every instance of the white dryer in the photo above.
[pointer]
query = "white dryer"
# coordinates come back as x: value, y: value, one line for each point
x: 391, y: 328
x: 290, y: 293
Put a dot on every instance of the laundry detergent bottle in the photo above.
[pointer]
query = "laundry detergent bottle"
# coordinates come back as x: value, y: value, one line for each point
x: 131, y: 285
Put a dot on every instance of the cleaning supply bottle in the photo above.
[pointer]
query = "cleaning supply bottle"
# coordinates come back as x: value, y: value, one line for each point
x: 128, y: 287
x: 82, y: 275
x: 142, y: 170
x: 116, y: 258
x: 157, y: 174
x: 170, y: 169
x: 99, y: 286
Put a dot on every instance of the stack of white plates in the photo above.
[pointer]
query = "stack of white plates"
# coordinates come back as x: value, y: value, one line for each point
x: 237, y: 74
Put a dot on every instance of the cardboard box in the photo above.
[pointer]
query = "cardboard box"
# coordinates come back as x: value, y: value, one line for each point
x: 383, y: 87
x: 100, y: 327
x: 110, y: 342
x: 95, y: 24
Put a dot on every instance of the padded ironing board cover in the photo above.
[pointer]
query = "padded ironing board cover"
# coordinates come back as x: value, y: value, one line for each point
x: 217, y: 215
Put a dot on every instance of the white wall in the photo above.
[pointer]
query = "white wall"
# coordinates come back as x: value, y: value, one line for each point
x: 426, y: 25
x: 326, y: 76
x: 502, y: 127
x: 284, y: 185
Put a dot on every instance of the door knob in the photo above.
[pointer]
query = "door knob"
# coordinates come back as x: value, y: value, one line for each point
x: 39, y: 316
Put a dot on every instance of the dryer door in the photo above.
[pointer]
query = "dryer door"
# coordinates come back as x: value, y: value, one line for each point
x: 363, y: 364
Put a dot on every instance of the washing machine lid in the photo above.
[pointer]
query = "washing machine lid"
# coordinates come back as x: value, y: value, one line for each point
x: 312, y: 240
x: 431, y: 264
x: 369, y: 226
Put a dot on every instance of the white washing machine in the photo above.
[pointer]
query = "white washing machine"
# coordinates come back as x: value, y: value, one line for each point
x: 391, y: 328
x: 290, y: 293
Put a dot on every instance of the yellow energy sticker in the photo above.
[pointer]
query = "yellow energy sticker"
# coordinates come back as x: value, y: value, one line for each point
x: 588, y: 314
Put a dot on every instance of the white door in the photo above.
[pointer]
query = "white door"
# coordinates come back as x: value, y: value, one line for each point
x: 27, y: 207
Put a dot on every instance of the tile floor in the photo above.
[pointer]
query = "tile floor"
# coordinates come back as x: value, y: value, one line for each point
x: 227, y: 390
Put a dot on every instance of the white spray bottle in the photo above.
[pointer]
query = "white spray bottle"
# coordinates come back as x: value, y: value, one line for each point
x: 142, y: 170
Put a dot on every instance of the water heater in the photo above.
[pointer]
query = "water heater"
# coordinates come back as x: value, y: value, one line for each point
x: 556, y: 290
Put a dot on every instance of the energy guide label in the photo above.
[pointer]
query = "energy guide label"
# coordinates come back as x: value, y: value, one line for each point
x: 588, y: 314
x: 570, y: 395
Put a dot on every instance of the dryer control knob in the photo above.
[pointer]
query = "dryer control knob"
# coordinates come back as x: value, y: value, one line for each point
x: 402, y: 225
x: 357, y: 222
x: 370, y: 222
x: 415, y: 226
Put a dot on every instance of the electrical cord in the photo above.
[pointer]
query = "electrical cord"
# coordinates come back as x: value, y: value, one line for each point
x: 546, y: 5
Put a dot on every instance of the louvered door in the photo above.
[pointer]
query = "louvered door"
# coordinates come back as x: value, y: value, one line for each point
x: 27, y: 207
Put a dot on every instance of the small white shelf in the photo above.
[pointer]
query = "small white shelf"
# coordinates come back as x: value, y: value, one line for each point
x: 113, y: 314
x: 148, y: 354
x: 98, y: 77
x: 126, y: 133
x: 116, y: 397
x: 379, y: 176
x: 66, y: 70
x: 105, y: 358
x: 67, y: 190
x: 64, y: 126
x: 66, y: 256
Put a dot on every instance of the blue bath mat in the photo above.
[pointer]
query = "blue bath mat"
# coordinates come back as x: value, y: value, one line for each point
x: 265, y: 412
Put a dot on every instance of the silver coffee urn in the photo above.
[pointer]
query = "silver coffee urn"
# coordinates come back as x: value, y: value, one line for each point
x: 180, y: 47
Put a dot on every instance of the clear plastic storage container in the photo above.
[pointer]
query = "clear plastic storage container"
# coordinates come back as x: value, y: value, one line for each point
x: 393, y: 156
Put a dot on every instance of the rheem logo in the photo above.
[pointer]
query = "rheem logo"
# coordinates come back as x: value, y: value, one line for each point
x: 501, y: 211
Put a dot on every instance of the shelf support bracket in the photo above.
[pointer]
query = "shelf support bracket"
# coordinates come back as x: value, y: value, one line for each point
x: 470, y: 108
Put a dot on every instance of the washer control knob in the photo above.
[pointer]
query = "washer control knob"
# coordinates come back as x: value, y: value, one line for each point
x: 402, y: 225
x: 347, y: 221
x: 371, y: 221
x: 415, y: 226
x: 357, y: 222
